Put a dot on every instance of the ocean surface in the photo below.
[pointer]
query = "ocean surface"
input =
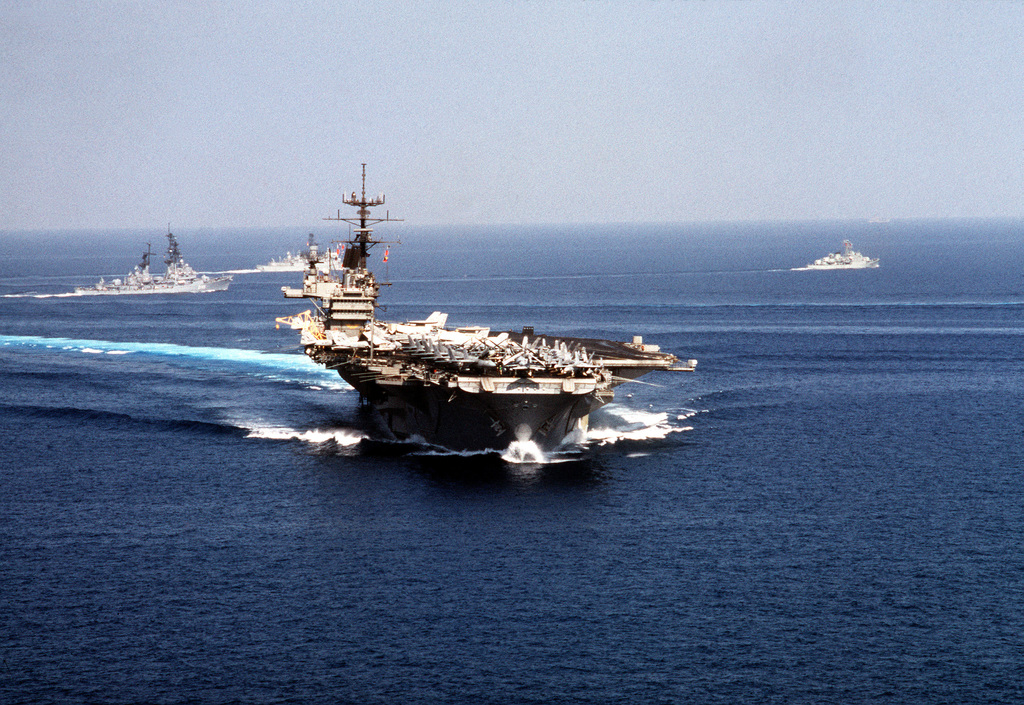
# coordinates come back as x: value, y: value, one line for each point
x: 830, y: 509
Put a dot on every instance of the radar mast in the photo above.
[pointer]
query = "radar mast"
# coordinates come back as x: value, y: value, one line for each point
x: 362, y: 237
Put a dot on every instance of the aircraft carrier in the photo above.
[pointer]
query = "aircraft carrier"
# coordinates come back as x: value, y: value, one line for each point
x: 467, y: 388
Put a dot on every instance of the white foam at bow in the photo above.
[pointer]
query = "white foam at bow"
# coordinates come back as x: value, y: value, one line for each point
x: 524, y: 452
x: 620, y: 423
x: 343, y: 437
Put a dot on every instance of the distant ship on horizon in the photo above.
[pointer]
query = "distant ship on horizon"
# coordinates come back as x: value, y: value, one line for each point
x: 847, y: 259
x: 179, y: 278
x: 297, y: 262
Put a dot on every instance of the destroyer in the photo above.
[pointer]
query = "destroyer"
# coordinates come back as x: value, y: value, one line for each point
x: 847, y: 259
x: 297, y: 262
x: 179, y: 278
x: 465, y: 388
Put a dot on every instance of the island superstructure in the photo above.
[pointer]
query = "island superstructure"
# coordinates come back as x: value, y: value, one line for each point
x: 467, y: 388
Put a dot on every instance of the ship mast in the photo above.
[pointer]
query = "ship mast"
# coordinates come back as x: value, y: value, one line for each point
x: 362, y: 240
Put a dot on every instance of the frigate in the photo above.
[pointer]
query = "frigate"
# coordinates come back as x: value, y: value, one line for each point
x: 847, y: 259
x: 179, y: 278
x: 463, y: 388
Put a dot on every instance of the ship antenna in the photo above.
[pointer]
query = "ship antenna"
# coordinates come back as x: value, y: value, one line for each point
x: 362, y: 237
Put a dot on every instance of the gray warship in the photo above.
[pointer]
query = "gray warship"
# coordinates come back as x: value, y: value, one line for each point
x: 294, y: 262
x: 467, y: 388
x: 847, y: 259
x: 179, y: 278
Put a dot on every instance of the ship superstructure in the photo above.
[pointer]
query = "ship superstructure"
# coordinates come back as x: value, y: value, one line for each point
x: 465, y: 388
x: 179, y: 278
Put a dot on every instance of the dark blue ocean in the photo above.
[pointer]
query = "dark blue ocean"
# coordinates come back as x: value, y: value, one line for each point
x: 830, y: 509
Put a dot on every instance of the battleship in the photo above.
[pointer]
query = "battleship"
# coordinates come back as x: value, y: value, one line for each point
x: 297, y: 262
x: 847, y: 259
x: 464, y: 388
x: 179, y: 278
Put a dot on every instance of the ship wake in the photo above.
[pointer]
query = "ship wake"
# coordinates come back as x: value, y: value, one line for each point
x: 340, y: 437
x: 274, y: 366
x: 34, y: 295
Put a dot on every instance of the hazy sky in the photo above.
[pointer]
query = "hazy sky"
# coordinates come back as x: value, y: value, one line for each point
x: 205, y: 113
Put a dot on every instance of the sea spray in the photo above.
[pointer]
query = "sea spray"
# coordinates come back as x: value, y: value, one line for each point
x: 342, y: 437
x: 524, y: 452
x: 615, y: 423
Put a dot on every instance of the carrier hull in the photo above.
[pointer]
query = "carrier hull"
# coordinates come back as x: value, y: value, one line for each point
x: 455, y: 418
